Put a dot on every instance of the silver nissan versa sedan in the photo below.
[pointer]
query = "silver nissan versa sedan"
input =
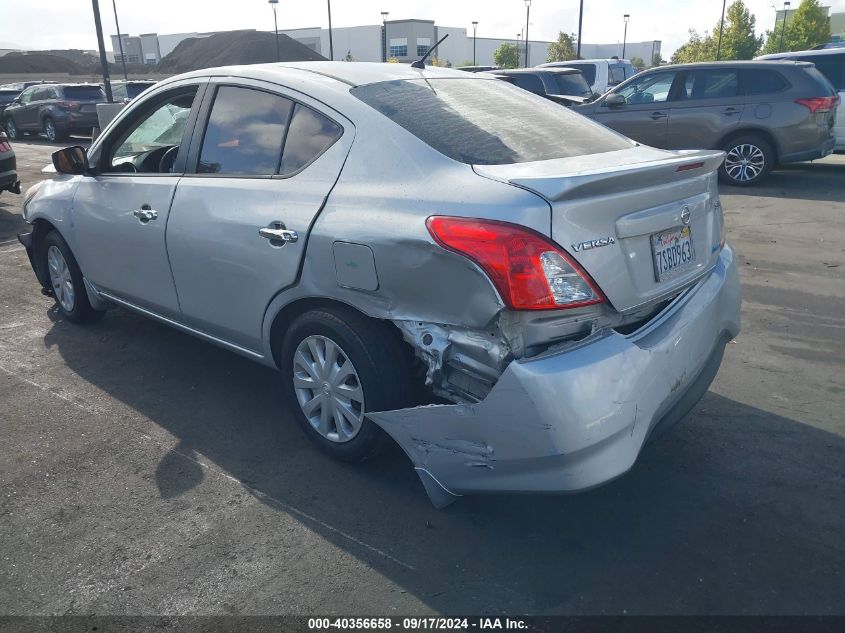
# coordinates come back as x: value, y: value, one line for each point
x: 516, y: 295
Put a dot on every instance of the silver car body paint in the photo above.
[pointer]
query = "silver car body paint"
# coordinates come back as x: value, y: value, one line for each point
x: 543, y: 401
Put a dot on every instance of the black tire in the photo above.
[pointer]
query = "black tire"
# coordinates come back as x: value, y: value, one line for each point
x: 760, y: 157
x: 12, y: 130
x: 52, y: 133
x: 379, y: 360
x: 81, y: 310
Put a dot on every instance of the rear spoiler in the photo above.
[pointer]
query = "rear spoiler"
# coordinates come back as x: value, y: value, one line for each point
x: 596, y: 174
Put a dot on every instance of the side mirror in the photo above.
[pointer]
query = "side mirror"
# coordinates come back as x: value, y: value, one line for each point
x: 71, y: 160
x: 614, y: 100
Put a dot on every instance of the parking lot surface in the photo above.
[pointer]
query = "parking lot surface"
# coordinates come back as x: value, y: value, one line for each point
x: 146, y: 472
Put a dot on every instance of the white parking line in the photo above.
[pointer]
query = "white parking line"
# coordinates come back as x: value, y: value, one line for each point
x: 213, y: 469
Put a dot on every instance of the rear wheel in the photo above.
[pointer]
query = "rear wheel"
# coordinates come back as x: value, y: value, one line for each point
x: 66, y: 282
x: 749, y: 160
x: 51, y: 132
x: 12, y: 129
x: 337, y: 365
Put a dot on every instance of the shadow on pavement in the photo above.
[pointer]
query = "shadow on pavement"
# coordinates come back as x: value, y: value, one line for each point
x: 802, y: 181
x: 737, y: 510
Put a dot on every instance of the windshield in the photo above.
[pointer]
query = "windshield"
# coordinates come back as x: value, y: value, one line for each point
x: 486, y: 122
x: 572, y: 84
x: 588, y: 70
x: 84, y: 93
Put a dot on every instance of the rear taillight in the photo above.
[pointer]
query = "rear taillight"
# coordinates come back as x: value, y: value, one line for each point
x: 529, y: 271
x: 819, y: 104
x: 68, y: 105
x: 4, y: 146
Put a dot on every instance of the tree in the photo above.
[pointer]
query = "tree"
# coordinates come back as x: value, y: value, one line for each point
x: 656, y: 60
x: 506, y: 56
x: 738, y: 39
x: 637, y: 62
x: 809, y: 26
x: 563, y: 49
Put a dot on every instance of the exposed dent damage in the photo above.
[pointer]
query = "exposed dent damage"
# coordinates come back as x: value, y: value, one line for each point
x: 576, y: 415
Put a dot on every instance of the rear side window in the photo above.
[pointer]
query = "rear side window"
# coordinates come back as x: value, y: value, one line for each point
x: 824, y: 84
x: 84, y: 93
x: 245, y: 132
x: 487, y: 122
x: 309, y: 135
x: 588, y: 70
x: 531, y: 83
x: 762, y: 82
x: 572, y: 84
x: 831, y: 66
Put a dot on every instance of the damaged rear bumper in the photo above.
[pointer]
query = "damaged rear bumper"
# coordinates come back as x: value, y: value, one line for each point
x: 574, y: 419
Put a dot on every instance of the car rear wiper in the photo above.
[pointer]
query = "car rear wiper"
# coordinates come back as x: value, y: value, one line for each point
x: 420, y: 63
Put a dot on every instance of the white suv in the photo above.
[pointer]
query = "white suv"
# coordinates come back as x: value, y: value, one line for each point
x: 601, y: 74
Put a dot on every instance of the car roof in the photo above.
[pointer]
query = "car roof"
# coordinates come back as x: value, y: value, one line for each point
x: 562, y: 70
x: 821, y: 51
x: 350, y: 73
x: 731, y: 64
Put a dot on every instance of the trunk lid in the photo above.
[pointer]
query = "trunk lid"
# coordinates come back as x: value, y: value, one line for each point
x: 607, y: 209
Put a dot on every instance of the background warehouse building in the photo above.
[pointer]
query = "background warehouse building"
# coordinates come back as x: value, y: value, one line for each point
x: 405, y: 40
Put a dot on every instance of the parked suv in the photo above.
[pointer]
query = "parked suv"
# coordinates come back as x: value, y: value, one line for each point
x: 601, y: 74
x: 7, y: 95
x: 8, y: 174
x: 561, y: 85
x: 831, y: 64
x: 760, y: 113
x: 57, y: 110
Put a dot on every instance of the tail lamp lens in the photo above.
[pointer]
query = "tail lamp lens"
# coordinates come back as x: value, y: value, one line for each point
x: 819, y: 104
x: 529, y: 271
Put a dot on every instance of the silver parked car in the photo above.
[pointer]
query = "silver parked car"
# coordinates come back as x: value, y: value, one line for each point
x: 760, y: 113
x: 516, y: 295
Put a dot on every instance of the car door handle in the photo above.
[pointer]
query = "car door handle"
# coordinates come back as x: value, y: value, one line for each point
x: 278, y: 235
x: 730, y: 111
x: 658, y: 115
x: 145, y: 214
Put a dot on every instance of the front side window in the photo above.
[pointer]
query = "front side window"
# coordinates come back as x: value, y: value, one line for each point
x: 487, y: 122
x: 26, y: 96
x: 143, y: 146
x: 245, y: 132
x: 649, y: 89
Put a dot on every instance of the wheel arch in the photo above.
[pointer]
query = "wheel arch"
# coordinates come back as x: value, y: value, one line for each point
x: 41, y: 227
x: 752, y: 131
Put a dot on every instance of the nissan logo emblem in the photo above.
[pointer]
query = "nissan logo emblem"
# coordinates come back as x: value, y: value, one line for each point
x: 685, y: 215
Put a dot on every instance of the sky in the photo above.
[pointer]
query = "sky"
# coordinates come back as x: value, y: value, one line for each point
x: 665, y: 20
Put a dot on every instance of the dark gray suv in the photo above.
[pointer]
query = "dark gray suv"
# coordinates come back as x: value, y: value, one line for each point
x: 57, y: 110
x: 761, y: 113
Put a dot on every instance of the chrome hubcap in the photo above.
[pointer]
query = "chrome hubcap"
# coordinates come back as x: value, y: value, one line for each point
x: 10, y: 128
x: 744, y: 162
x: 50, y: 129
x: 328, y: 389
x: 60, y: 278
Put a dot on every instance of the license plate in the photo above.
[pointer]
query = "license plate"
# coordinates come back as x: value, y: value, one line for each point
x: 673, y: 252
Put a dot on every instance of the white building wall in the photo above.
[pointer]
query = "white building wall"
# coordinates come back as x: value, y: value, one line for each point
x: 457, y: 48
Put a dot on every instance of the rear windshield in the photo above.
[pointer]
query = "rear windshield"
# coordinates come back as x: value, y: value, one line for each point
x: 133, y: 90
x: 588, y: 70
x: 831, y: 66
x: 84, y: 93
x: 486, y: 122
x: 572, y: 84
x: 823, y: 82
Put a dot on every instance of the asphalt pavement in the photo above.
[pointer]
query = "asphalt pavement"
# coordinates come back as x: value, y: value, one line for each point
x: 143, y: 471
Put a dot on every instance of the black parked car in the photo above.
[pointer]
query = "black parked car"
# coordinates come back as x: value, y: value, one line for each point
x: 562, y: 85
x: 8, y: 174
x: 55, y: 109
x: 7, y: 95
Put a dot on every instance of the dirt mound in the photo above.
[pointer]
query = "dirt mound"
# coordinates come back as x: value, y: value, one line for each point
x: 233, y: 48
x: 38, y: 63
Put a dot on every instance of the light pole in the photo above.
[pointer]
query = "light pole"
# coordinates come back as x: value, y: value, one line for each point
x: 119, y: 41
x: 103, y: 61
x: 783, y: 28
x: 474, y: 27
x: 518, y: 40
x: 273, y: 4
x: 331, y: 40
x: 527, y: 16
x: 580, y: 20
x: 721, y: 28
x: 626, y: 17
x: 384, y: 15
